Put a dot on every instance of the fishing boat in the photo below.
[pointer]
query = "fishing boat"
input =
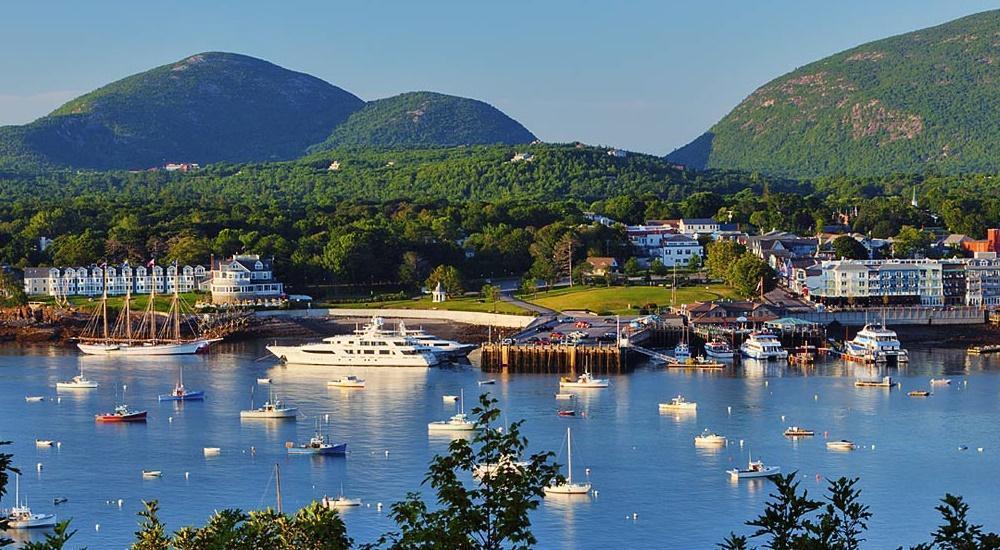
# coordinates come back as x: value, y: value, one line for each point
x: 567, y: 412
x: 568, y: 487
x: 34, y: 398
x: 349, y: 381
x: 152, y: 336
x: 679, y: 404
x: 121, y: 414
x: 152, y: 473
x: 272, y: 408
x: 340, y: 502
x: 795, y: 431
x: 682, y: 352
x: 263, y: 380
x: 875, y: 344
x: 180, y: 393
x: 841, y: 445
x: 755, y: 468
x: 21, y: 517
x: 919, y: 393
x: 764, y: 346
x: 708, y: 438
x: 78, y: 382
x: 940, y: 381
x: 317, y: 445
x: 457, y: 423
x: 719, y: 349
x: 449, y: 349
x: 368, y: 347
x: 884, y: 382
x: 585, y: 380
x: 564, y: 395
x: 44, y: 443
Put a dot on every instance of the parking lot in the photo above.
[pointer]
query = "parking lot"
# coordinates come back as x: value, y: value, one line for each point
x: 584, y: 329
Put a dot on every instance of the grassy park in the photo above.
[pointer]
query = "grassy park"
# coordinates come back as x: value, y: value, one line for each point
x: 606, y: 300
x: 424, y: 302
x: 139, y: 301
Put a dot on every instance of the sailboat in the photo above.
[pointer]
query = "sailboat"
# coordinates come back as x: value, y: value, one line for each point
x: 568, y: 487
x: 181, y: 393
x: 20, y: 516
x: 150, y: 337
x: 457, y: 423
x: 78, y: 382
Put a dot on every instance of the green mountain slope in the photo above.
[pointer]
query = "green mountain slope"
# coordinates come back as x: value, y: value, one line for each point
x: 206, y: 108
x: 925, y: 101
x: 426, y: 119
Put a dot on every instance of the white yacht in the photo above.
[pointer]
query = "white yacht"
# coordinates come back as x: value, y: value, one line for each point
x: 349, y: 381
x: 709, y: 438
x: 368, y: 347
x: 272, y: 408
x: 78, y: 382
x: 445, y: 348
x: 679, y: 404
x: 720, y: 349
x: 764, y: 346
x: 457, y: 423
x: 21, y: 517
x: 585, y: 380
x: 874, y: 343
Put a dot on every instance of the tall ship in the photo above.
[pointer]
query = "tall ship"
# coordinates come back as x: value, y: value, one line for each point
x: 764, y: 346
x: 368, y: 347
x: 876, y: 344
x: 153, y: 335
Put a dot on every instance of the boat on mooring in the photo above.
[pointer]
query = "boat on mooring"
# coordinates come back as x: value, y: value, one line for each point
x: 679, y: 404
x: 349, y: 381
x: 457, y: 423
x: 763, y: 346
x: 568, y: 487
x: 884, y: 382
x: 875, y: 344
x: 181, y: 393
x: 796, y: 431
x: 841, y: 445
x: 78, y: 382
x: 585, y: 380
x: 940, y: 381
x: 272, y: 408
x: 121, y: 414
x: 709, y: 438
x: 318, y: 445
x: 919, y: 393
x: 755, y: 468
x: 371, y: 346
x: 20, y: 515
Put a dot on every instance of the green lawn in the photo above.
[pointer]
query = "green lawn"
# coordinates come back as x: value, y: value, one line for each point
x: 139, y: 301
x: 452, y: 304
x: 618, y: 299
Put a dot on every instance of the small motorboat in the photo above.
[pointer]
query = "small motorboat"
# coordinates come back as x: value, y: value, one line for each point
x: 318, y: 446
x: 488, y: 382
x: 78, y: 382
x: 679, y: 404
x: 152, y: 473
x: 211, y: 451
x: 33, y: 398
x: 349, y: 381
x: 919, y: 393
x: 59, y: 500
x: 841, y: 445
x: 121, y: 414
x: 755, y: 468
x: 564, y: 395
x: 449, y: 398
x: 940, y: 381
x: 263, y: 380
x: 457, y: 423
x: 567, y: 412
x: 585, y: 380
x: 340, y: 502
x: 884, y: 382
x: 708, y: 438
x: 795, y: 431
x: 44, y: 443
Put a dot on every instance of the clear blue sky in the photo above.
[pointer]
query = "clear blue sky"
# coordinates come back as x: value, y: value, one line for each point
x: 643, y: 75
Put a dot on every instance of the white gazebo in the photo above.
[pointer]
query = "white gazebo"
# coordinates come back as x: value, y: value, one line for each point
x: 438, y: 294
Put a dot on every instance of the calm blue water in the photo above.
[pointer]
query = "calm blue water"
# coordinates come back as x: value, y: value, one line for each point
x: 640, y: 461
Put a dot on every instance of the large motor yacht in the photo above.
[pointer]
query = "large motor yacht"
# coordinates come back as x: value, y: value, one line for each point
x: 764, y: 346
x: 369, y: 347
x: 878, y: 344
x: 445, y: 348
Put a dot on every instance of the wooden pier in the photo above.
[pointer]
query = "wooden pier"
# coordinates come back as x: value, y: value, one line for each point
x: 553, y: 359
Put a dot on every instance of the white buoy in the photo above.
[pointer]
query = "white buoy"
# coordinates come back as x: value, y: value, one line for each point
x: 816, y: 397
x: 765, y: 383
x: 38, y: 466
x: 326, y: 417
x: 873, y: 446
x: 387, y: 453
x: 58, y: 444
x: 121, y: 502
x: 741, y: 443
x: 586, y: 471
x: 170, y: 419
x: 59, y: 400
x: 595, y: 492
x: 97, y: 527
x: 378, y: 506
x: 980, y: 449
x: 187, y: 475
x: 635, y: 516
x: 729, y: 410
x: 782, y: 418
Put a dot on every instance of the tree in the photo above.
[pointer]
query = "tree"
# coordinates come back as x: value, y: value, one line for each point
x: 658, y: 268
x: 449, y: 277
x: 721, y: 255
x: 694, y: 262
x: 412, y: 269
x: 631, y: 267
x: 77, y: 250
x: 491, y: 513
x: 747, y: 274
x: 188, y: 249
x: 847, y: 247
x: 562, y: 255
x: 528, y: 286
x: 491, y: 293
x: 6, y: 467
x: 911, y: 242
x: 11, y: 291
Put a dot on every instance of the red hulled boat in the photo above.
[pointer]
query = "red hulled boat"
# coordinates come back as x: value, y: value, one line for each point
x: 122, y: 414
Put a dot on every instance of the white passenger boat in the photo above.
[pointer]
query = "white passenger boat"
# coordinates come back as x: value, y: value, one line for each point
x: 439, y: 346
x: 764, y: 346
x: 568, y: 487
x: 884, y: 382
x: 876, y: 344
x: 21, y: 517
x: 211, y: 451
x: 349, y: 381
x: 457, y: 423
x: 708, y: 438
x: 755, y: 468
x: 585, y: 380
x: 719, y: 349
x: 272, y: 408
x: 368, y: 347
x: 841, y: 445
x: 449, y: 398
x: 679, y: 404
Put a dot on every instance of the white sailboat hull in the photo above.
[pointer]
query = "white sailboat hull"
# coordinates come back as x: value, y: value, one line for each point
x: 568, y: 489
x: 182, y: 348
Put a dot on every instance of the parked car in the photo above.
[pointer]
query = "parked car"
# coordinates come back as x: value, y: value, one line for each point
x: 565, y: 319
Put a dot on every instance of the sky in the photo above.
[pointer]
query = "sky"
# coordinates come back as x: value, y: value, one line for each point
x: 641, y: 75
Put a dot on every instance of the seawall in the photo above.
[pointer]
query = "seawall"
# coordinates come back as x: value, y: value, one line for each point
x: 898, y: 316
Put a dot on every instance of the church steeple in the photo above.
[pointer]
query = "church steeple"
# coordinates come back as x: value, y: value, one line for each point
x: 913, y: 201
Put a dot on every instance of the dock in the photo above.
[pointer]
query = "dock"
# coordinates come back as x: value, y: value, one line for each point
x: 554, y: 358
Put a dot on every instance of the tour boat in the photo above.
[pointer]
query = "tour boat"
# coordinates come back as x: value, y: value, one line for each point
x: 318, y: 446
x: 371, y: 347
x: 272, y: 408
x: 44, y: 443
x: 720, y: 349
x: 78, y: 382
x: 439, y: 346
x: 841, y: 445
x: 940, y: 381
x: 755, y: 468
x: 795, y: 431
x: 708, y: 438
x: 121, y: 414
x: 457, y: 423
x: 154, y: 335
x: 585, y: 380
x: 876, y: 344
x: 564, y: 395
x: 682, y: 352
x: 34, y: 398
x: 152, y: 473
x: 568, y: 487
x: 20, y: 516
x: 340, y: 502
x: 180, y: 393
x: 884, y: 382
x: 919, y: 393
x: 349, y: 381
x: 679, y: 404
x: 763, y: 346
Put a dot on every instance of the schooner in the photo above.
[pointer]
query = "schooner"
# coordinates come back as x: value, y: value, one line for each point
x: 151, y: 336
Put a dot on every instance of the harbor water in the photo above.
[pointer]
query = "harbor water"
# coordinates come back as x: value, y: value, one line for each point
x: 654, y: 488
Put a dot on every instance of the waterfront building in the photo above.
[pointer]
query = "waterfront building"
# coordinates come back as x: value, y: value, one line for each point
x: 90, y: 280
x: 662, y: 242
x: 244, y: 279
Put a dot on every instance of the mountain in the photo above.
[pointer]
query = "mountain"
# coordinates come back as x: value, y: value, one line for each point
x: 205, y: 108
x: 426, y: 119
x: 925, y: 101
